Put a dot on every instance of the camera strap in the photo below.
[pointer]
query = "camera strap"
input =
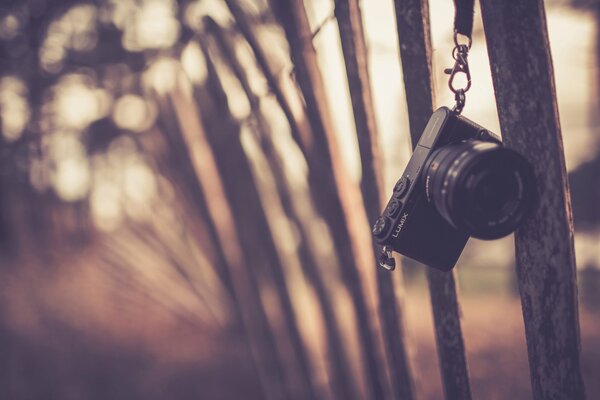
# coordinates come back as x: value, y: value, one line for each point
x: 463, y: 29
x: 463, y: 17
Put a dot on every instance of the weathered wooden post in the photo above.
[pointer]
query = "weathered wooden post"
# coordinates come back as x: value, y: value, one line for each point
x: 415, y: 51
x: 522, y: 72
x: 251, y: 222
x: 340, y: 374
x: 338, y: 199
x: 239, y: 254
x: 300, y: 129
x: 245, y: 290
x: 354, y: 48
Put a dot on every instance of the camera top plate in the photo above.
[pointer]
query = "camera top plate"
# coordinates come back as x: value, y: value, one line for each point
x: 434, y: 127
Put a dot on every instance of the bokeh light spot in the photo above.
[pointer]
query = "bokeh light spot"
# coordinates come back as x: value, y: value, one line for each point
x: 140, y: 183
x: 194, y: 63
x: 150, y: 25
x: 71, y: 178
x: 106, y: 207
x: 75, y: 30
x: 162, y: 75
x: 9, y: 27
x: 77, y: 104
x: 14, y: 108
x: 131, y: 112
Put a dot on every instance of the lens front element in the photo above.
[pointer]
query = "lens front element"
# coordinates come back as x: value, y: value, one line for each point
x: 480, y: 187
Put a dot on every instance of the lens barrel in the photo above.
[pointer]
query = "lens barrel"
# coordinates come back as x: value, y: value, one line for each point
x: 480, y: 187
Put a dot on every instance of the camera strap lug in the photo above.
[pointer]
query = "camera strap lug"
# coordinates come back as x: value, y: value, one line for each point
x: 386, y: 259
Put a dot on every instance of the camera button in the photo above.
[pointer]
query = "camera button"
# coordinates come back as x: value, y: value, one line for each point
x: 380, y: 226
x: 393, y: 208
x: 401, y: 186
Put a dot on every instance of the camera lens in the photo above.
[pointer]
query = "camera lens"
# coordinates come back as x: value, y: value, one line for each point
x: 480, y: 187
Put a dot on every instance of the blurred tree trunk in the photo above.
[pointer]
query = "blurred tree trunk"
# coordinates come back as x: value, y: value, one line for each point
x: 415, y: 51
x: 523, y: 77
x: 354, y: 48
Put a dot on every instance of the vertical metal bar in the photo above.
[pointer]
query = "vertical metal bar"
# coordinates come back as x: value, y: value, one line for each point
x: 412, y: 18
x: 522, y: 72
x: 350, y: 25
x: 337, y: 197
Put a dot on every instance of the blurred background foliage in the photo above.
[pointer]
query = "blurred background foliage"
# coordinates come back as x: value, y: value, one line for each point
x: 153, y: 194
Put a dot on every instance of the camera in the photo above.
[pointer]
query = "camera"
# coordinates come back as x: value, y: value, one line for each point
x: 459, y: 182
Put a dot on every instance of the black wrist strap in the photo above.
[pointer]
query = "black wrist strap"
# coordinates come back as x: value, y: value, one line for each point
x: 463, y: 17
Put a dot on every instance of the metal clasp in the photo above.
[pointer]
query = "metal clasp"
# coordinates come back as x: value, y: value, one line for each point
x: 461, y: 66
x: 460, y: 54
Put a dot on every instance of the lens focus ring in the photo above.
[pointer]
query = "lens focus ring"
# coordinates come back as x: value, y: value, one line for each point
x: 480, y: 187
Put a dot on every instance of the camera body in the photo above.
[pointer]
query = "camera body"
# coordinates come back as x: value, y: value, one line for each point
x: 459, y: 182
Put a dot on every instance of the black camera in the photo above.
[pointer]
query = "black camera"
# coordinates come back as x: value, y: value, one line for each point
x: 459, y: 182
